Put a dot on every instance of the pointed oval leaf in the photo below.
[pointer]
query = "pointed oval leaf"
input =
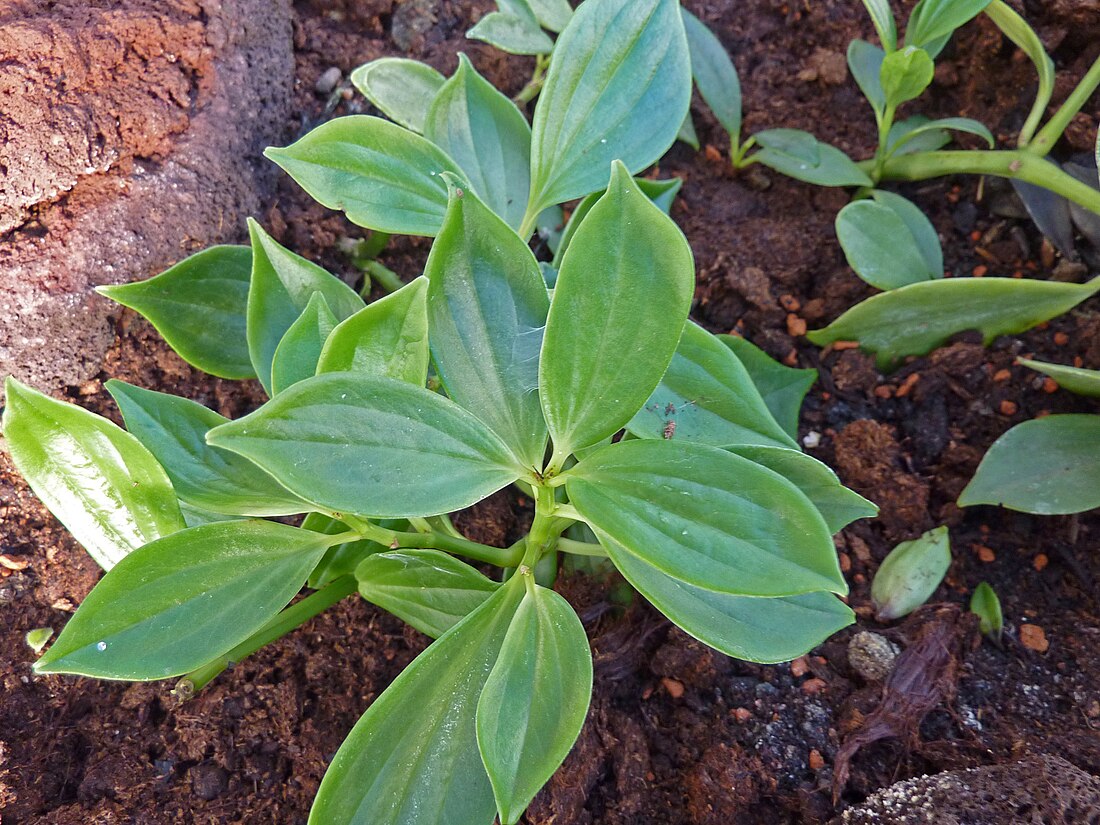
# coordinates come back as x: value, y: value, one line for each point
x: 987, y: 607
x: 889, y: 242
x: 412, y: 758
x: 687, y: 133
x: 883, y: 18
x: 915, y: 319
x: 380, y: 175
x: 1019, y: 32
x: 707, y: 517
x: 620, y: 304
x: 428, y: 589
x: 388, y: 338
x: 865, y: 64
x: 1076, y: 380
x: 1049, y: 466
x: 932, y: 21
x: 512, y: 33
x: 373, y: 446
x: 552, y: 14
x: 936, y: 132
x: 487, y: 303
x: 910, y: 574
x: 199, y: 308
x: 174, y: 431
x: 619, y: 86
x: 97, y: 479
x: 182, y: 600
x: 714, y: 74
x: 296, y: 356
x: 535, y: 700
x: 803, y: 157
x: 706, y: 396
x: 782, y: 388
x: 485, y: 134
x: 745, y: 627
x: 282, y: 285
x: 905, y: 74
x: 402, y: 89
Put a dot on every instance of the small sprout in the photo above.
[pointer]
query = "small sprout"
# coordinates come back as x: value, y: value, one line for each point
x: 910, y: 574
x: 987, y: 607
x: 37, y: 638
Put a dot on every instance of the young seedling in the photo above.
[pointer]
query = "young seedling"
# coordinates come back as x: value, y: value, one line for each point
x: 987, y: 607
x: 910, y: 574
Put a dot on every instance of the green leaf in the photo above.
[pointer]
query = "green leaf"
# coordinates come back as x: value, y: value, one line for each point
x: 342, y: 559
x: 618, y: 88
x: 98, y: 480
x: 427, y: 589
x: 933, y: 134
x: 706, y: 396
x: 372, y: 446
x: 485, y: 134
x: 745, y: 627
x: 714, y: 74
x: 535, y: 699
x: 803, y: 157
x: 182, y: 600
x: 987, y: 607
x: 620, y: 304
x: 915, y: 319
x: 933, y: 21
x: 487, y: 303
x: 1049, y: 466
x: 1019, y: 32
x: 402, y: 89
x: 296, y: 356
x: 512, y: 33
x: 889, y: 242
x: 707, y: 517
x: 781, y: 387
x: 174, y: 430
x: 687, y: 132
x: 282, y: 285
x: 388, y: 338
x: 838, y: 505
x: 412, y: 759
x: 382, y: 176
x: 883, y: 19
x: 865, y: 64
x: 552, y: 14
x: 1074, y: 379
x: 905, y: 74
x: 910, y: 574
x: 198, y: 306
x: 197, y: 516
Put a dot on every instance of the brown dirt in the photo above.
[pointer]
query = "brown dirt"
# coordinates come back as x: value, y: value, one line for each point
x: 677, y: 732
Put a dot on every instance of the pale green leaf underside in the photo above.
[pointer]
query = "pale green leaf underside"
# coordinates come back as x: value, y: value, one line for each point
x: 402, y: 89
x: 910, y: 574
x: 782, y: 388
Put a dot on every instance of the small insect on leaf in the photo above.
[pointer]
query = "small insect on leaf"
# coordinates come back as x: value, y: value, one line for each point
x: 987, y: 607
x: 910, y: 574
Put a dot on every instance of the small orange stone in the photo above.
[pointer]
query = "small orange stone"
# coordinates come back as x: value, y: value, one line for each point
x: 908, y: 384
x: 1040, y: 562
x: 1008, y: 407
x: 840, y: 346
x: 791, y: 358
x: 1050, y: 385
x: 1002, y: 375
x: 817, y: 761
x: 742, y: 714
x: 845, y: 562
x: 1061, y: 339
x: 789, y: 303
x: 812, y: 686
x: 713, y: 154
x: 980, y: 270
x: 799, y: 667
x: 1034, y: 638
x: 675, y: 689
x: 985, y: 554
x: 884, y: 391
x: 795, y: 325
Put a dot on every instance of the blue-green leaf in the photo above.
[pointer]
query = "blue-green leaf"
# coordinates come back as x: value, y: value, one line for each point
x: 782, y: 388
x: 801, y: 156
x: 889, y: 242
x: 402, y: 89
x: 865, y: 64
x: 714, y: 74
x: 296, y: 356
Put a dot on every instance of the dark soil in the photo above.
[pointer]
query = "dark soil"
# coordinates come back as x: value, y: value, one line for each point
x: 677, y: 733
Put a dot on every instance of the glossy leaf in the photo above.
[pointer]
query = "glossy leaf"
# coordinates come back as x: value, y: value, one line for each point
x: 865, y: 64
x: 933, y: 134
x: 402, y: 89
x: 98, y: 480
x: 910, y: 574
x: 838, y: 505
x: 618, y: 89
x: 987, y: 607
x: 905, y: 74
x: 553, y: 14
x: 781, y: 387
x: 745, y: 627
x: 931, y: 21
x: 174, y: 430
x: 802, y: 156
x: 296, y: 356
x: 198, y: 306
x: 889, y: 242
x: 282, y: 285
x: 512, y: 32
x: 883, y: 18
x: 706, y: 396
x: 372, y: 446
x: 714, y: 74
x: 535, y: 700
x: 428, y: 589
x: 182, y: 600
x: 485, y: 134
x: 1049, y: 466
x: 388, y: 338
x: 707, y: 517
x: 342, y: 559
x: 1074, y: 379
x: 487, y: 303
x: 915, y: 319
x: 381, y: 176
x: 412, y: 759
x: 620, y: 304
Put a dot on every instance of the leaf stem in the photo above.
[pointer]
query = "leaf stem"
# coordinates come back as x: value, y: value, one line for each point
x: 534, y: 85
x: 1049, y: 134
x: 582, y: 548
x: 435, y: 540
x: 281, y: 624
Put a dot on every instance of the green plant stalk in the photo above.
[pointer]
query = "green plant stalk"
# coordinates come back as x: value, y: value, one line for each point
x: 885, y: 123
x: 382, y: 275
x: 542, y: 528
x: 434, y: 540
x: 582, y: 548
x: 289, y: 619
x: 534, y: 85
x: 1019, y: 164
x: 1049, y: 134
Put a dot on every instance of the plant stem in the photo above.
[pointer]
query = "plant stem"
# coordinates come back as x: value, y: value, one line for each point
x: 1016, y: 164
x: 885, y: 123
x: 382, y: 275
x: 1049, y: 134
x: 582, y: 548
x: 541, y: 535
x: 534, y: 85
x: 528, y: 225
x: 281, y: 624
